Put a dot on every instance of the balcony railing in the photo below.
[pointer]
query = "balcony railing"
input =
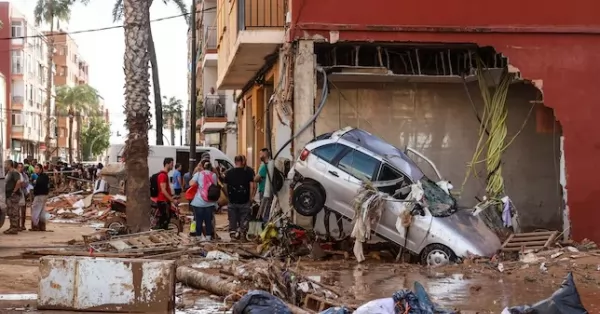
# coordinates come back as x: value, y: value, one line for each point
x: 210, y: 38
x: 261, y: 13
x: 17, y: 99
x: 214, y: 106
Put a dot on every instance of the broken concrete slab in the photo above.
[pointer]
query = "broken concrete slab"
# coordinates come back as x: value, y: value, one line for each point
x: 106, y: 285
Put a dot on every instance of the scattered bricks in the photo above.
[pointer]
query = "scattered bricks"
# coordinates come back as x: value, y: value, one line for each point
x: 106, y: 285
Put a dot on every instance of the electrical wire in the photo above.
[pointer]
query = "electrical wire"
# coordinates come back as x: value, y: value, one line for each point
x: 324, y: 94
x: 100, y: 29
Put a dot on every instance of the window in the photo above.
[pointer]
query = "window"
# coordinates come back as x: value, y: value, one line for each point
x: 17, y: 62
x: 388, y: 173
x: 17, y: 119
x: 225, y: 164
x: 16, y: 29
x: 328, y: 152
x: 359, y: 165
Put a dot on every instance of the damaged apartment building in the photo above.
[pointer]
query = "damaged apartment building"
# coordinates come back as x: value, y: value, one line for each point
x: 414, y: 75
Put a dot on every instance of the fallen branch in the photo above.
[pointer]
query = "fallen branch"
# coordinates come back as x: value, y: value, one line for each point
x: 78, y: 253
x: 215, y: 285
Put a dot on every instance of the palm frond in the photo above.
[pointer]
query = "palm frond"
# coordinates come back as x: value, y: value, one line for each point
x: 182, y: 8
x: 117, y: 12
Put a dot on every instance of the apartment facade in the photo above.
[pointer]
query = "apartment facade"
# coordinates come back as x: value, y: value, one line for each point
x: 71, y: 70
x: 422, y: 94
x: 216, y: 123
x: 25, y: 69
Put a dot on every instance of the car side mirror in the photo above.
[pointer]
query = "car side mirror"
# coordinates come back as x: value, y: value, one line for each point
x: 417, y: 211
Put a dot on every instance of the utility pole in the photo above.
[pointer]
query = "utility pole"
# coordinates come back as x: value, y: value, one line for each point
x: 194, y: 94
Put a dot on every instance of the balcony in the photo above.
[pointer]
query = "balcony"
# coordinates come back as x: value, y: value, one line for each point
x: 249, y: 31
x: 17, y: 103
x: 214, y: 116
x: 209, y: 46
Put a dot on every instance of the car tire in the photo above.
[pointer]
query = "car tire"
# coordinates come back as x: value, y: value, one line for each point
x: 308, y: 199
x: 116, y: 224
x: 436, y: 255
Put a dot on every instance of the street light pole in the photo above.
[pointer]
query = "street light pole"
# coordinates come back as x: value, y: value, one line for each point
x: 194, y: 95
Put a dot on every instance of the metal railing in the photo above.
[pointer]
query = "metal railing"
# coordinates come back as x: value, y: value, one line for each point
x: 261, y: 13
x: 17, y: 99
x: 210, y: 38
x: 214, y: 106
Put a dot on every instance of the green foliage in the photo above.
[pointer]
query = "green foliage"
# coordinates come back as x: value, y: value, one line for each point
x: 47, y: 11
x: 95, y: 138
x: 173, y: 112
x: 80, y: 99
x: 199, y: 108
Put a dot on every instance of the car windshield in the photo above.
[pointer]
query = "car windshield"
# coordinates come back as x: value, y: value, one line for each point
x: 440, y: 203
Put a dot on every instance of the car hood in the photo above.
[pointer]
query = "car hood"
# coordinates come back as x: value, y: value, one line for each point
x: 470, y: 232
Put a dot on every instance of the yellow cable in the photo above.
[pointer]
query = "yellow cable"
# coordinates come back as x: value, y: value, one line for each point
x: 494, y: 116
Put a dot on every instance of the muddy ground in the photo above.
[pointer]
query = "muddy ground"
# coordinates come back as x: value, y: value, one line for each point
x: 469, y: 286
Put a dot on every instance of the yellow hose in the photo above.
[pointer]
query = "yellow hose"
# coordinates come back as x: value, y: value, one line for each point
x: 493, y: 117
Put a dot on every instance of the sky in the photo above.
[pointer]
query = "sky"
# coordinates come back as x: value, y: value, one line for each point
x: 103, y: 50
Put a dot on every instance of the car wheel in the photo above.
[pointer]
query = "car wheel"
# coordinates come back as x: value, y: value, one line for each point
x: 308, y: 200
x: 436, y: 255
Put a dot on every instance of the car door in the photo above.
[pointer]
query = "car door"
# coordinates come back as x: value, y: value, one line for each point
x: 350, y: 170
x: 326, y: 172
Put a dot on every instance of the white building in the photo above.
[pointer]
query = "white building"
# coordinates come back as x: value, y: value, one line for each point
x: 29, y: 74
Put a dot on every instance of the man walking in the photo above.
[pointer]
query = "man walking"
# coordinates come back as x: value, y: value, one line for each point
x: 240, y: 184
x: 165, y: 195
x: 177, y: 180
x: 12, y: 189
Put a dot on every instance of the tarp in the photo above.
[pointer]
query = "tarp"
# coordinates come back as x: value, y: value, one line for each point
x: 260, y: 302
x: 565, y: 300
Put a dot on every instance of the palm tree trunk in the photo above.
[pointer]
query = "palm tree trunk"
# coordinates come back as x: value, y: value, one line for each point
x: 48, y: 102
x: 137, y: 110
x: 156, y: 89
x: 70, y: 137
x: 78, y: 136
x: 173, y: 133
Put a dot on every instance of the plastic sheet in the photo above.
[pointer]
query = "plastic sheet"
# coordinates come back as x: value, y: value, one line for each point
x: 260, y: 302
x: 336, y: 310
x: 565, y: 300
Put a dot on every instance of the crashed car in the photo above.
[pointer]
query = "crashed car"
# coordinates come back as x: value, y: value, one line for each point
x: 332, y: 168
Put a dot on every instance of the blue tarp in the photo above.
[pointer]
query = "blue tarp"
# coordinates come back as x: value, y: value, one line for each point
x: 260, y: 302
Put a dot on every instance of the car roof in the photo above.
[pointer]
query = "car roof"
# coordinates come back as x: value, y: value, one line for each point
x: 378, y: 146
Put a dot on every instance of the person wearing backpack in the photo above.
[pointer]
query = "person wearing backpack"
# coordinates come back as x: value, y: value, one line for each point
x: 205, y: 200
x: 240, y: 188
x: 161, y: 189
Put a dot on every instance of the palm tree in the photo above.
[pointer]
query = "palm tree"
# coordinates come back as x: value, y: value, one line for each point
x: 49, y: 11
x: 76, y: 101
x: 137, y: 110
x: 158, y: 111
x: 173, y: 114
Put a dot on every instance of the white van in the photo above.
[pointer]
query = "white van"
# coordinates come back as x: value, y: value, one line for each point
x: 181, y: 154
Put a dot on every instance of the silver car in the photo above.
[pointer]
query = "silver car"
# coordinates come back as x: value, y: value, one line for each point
x: 331, y: 169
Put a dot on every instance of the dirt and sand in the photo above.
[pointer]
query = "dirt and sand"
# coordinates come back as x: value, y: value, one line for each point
x: 469, y: 286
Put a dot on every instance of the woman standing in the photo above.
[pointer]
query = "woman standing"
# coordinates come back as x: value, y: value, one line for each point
x: 40, y: 195
x: 203, y: 210
x: 23, y: 201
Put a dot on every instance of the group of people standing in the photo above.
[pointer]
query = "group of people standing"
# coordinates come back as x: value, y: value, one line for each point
x: 241, y: 184
x: 25, y: 183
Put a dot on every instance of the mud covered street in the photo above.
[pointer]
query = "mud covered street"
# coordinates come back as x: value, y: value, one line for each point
x: 469, y: 286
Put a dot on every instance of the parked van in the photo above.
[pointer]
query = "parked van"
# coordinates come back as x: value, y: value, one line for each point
x: 181, y: 154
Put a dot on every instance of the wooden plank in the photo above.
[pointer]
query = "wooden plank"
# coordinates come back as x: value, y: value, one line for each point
x: 548, y: 233
x: 551, y: 239
x: 508, y: 240
x: 516, y: 249
x: 530, y: 238
x: 135, y: 243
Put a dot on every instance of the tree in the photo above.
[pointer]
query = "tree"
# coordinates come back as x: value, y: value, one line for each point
x: 173, y: 115
x: 49, y: 11
x: 76, y: 101
x: 136, y: 23
x: 117, y: 13
x: 95, y: 138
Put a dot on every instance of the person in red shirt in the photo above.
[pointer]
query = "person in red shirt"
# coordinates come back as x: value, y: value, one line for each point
x: 165, y: 195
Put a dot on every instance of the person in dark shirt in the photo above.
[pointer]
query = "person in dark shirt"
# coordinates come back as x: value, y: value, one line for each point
x: 240, y: 185
x: 41, y: 188
x: 12, y: 190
